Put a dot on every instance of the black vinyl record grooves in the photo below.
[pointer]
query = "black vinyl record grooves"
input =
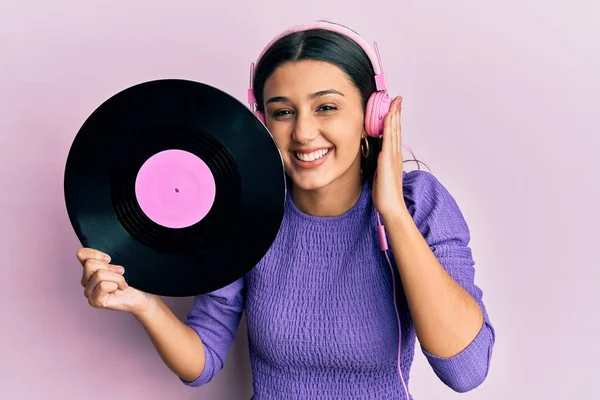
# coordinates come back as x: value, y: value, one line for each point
x: 179, y: 182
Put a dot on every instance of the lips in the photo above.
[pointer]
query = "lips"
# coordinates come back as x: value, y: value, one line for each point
x: 311, y: 158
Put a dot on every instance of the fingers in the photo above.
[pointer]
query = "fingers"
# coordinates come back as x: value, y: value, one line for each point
x: 99, y: 278
x: 392, y: 128
x: 104, y: 282
x: 396, y: 127
x: 93, y: 260
x: 91, y: 266
x: 393, y: 125
x: 85, y: 254
x: 387, y: 125
x: 98, y: 297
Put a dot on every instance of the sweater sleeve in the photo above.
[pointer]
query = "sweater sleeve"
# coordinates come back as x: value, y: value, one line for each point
x: 215, y: 317
x: 443, y: 226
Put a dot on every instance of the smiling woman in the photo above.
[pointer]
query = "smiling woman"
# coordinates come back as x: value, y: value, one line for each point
x: 335, y: 306
x: 315, y: 115
x: 310, y: 157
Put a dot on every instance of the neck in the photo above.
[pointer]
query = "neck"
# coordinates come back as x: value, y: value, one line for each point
x: 332, y: 200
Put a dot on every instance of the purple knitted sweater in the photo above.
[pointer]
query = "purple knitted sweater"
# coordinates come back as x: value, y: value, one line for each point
x: 319, y: 305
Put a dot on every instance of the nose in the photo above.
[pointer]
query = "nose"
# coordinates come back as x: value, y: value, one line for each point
x: 305, y: 128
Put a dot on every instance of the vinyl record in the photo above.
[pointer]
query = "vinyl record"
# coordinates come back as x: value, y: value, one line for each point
x: 179, y: 182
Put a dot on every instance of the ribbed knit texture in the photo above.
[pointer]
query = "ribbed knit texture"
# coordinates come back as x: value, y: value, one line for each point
x: 319, y: 305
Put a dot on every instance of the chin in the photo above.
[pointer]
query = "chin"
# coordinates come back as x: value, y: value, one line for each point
x: 304, y: 182
x: 311, y: 185
x: 316, y: 178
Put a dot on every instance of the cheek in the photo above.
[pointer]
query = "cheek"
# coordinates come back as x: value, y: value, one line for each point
x: 347, y: 140
x: 280, y: 136
x: 347, y: 149
x: 282, y: 141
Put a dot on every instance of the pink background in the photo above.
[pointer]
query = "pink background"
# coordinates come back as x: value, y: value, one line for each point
x: 501, y: 100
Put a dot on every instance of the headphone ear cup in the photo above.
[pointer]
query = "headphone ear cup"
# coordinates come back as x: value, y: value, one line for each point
x: 260, y: 116
x: 377, y: 108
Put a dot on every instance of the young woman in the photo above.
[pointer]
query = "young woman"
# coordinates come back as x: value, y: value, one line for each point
x: 335, y: 306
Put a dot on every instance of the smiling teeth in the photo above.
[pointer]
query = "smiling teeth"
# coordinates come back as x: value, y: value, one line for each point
x: 311, y: 156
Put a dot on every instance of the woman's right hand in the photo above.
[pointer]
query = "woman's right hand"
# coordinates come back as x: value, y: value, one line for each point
x: 105, y: 285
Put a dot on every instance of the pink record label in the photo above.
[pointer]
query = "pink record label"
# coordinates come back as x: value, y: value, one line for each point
x: 175, y: 188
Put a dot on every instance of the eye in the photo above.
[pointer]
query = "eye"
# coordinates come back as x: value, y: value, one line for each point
x: 281, y: 113
x: 327, y: 108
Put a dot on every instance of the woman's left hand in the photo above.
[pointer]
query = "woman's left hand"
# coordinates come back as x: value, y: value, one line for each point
x: 388, y: 196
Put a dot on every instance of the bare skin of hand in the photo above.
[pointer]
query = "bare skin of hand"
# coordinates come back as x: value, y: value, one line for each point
x: 105, y: 286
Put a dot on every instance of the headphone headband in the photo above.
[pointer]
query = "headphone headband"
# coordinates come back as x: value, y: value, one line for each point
x: 374, y: 56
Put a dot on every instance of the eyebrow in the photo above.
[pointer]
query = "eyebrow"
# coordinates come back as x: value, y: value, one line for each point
x: 283, y: 99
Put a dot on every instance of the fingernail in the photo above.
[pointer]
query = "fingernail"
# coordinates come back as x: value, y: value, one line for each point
x: 107, y: 258
x: 120, y: 269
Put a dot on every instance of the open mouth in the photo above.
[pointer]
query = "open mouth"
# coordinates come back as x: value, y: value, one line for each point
x: 310, y: 157
x: 311, y: 160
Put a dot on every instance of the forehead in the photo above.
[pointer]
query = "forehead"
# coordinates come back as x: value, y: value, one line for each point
x: 307, y: 76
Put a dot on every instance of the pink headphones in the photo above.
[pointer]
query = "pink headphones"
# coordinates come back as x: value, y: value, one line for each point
x: 379, y: 102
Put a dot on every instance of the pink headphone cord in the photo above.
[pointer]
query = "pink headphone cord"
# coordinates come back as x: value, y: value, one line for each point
x: 384, y: 247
